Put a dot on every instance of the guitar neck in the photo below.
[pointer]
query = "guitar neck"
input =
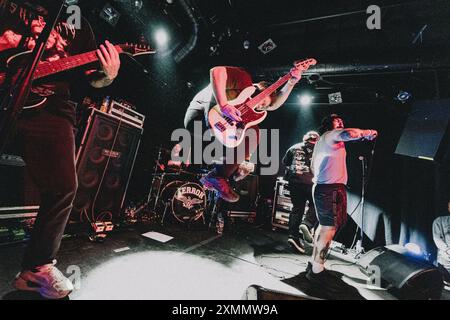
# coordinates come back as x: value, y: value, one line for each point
x: 47, y: 68
x: 268, y: 91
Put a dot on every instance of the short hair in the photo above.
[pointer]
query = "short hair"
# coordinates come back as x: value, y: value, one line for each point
x: 308, y: 135
x: 327, y: 123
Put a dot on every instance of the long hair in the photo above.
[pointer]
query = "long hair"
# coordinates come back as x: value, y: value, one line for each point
x: 327, y: 123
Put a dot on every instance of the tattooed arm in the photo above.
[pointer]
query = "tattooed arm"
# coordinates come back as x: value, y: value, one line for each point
x: 350, y: 134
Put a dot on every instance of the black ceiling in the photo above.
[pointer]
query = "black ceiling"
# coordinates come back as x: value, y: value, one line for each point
x: 211, y: 32
x: 334, y: 31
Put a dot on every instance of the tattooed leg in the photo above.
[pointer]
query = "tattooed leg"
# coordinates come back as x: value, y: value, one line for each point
x: 316, y: 240
x: 324, y: 235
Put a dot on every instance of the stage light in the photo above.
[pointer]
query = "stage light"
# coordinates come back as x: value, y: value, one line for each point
x: 305, y: 99
x: 267, y: 46
x: 335, y: 98
x: 414, y: 249
x: 246, y: 44
x: 138, y: 4
x: 110, y: 14
x: 161, y: 37
x: 403, y: 96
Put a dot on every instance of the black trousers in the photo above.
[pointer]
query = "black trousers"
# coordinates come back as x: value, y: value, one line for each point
x: 48, y: 148
x: 300, y: 193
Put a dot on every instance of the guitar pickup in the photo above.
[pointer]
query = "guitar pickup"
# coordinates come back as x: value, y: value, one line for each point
x: 229, y: 120
x: 220, y: 127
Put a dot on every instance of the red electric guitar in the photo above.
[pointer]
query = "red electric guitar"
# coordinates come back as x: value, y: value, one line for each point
x: 45, y: 68
x: 231, y: 133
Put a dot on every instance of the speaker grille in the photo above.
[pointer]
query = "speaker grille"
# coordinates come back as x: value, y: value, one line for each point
x: 104, y: 164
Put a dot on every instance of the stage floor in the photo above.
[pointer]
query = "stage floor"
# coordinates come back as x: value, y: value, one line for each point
x: 195, y: 265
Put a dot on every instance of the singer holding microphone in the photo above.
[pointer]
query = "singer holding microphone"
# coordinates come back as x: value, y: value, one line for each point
x: 330, y: 178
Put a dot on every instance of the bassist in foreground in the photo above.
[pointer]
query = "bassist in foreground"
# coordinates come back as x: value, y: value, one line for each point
x: 226, y: 84
x: 47, y: 136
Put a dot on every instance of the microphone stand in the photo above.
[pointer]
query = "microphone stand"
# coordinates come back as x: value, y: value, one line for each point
x: 359, y: 247
x: 365, y: 179
x: 13, y: 103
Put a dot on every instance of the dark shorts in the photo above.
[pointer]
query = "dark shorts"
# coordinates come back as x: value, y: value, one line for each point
x: 330, y: 201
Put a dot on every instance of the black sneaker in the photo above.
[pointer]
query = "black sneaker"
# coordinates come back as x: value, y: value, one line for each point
x: 331, y: 286
x: 325, y: 276
x: 321, y: 277
x: 297, y: 245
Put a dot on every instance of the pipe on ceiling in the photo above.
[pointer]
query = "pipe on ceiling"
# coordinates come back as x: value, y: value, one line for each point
x: 190, y: 45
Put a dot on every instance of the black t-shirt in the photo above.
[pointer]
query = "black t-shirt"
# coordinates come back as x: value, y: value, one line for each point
x: 298, y: 163
x: 18, y: 33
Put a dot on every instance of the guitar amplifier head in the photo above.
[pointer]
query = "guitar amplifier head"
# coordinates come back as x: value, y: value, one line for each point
x: 124, y: 111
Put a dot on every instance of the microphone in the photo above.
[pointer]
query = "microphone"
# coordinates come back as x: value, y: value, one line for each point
x: 361, y: 158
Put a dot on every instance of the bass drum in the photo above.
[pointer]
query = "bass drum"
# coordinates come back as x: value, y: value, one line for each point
x: 187, y: 200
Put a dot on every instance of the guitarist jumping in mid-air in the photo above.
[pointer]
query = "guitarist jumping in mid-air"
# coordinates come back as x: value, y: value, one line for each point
x: 226, y: 84
x: 48, y: 140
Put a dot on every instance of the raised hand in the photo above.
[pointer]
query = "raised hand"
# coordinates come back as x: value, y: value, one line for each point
x: 300, y: 66
x: 296, y: 74
x: 372, y: 135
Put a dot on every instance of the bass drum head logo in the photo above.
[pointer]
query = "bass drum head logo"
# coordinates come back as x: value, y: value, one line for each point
x: 189, y: 202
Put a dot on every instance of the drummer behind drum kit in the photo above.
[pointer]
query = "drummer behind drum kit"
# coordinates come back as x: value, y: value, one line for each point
x: 176, y: 192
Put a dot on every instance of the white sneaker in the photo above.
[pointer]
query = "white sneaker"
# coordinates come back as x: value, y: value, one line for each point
x: 46, y: 279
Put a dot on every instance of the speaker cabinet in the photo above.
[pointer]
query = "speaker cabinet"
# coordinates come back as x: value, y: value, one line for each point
x: 408, y: 276
x: 105, y: 160
x: 282, y: 205
x: 247, y: 189
x: 19, y: 197
x: 426, y: 133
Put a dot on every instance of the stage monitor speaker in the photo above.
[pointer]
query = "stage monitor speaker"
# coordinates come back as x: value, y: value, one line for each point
x: 409, y: 277
x: 104, y: 161
x: 255, y: 292
x: 426, y: 133
x: 19, y: 197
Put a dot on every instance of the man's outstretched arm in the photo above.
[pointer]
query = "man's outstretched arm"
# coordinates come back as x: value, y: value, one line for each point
x: 350, y: 134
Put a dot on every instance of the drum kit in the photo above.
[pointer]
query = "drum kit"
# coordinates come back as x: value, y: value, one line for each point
x: 176, y: 192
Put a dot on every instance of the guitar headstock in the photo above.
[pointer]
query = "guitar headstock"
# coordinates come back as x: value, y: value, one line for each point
x: 136, y: 49
x: 305, y: 64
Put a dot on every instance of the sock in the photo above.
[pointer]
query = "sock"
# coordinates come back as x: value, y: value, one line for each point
x: 317, y: 267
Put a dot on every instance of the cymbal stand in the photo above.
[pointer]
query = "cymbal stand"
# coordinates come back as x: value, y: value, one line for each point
x: 149, y: 195
x: 216, y: 215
